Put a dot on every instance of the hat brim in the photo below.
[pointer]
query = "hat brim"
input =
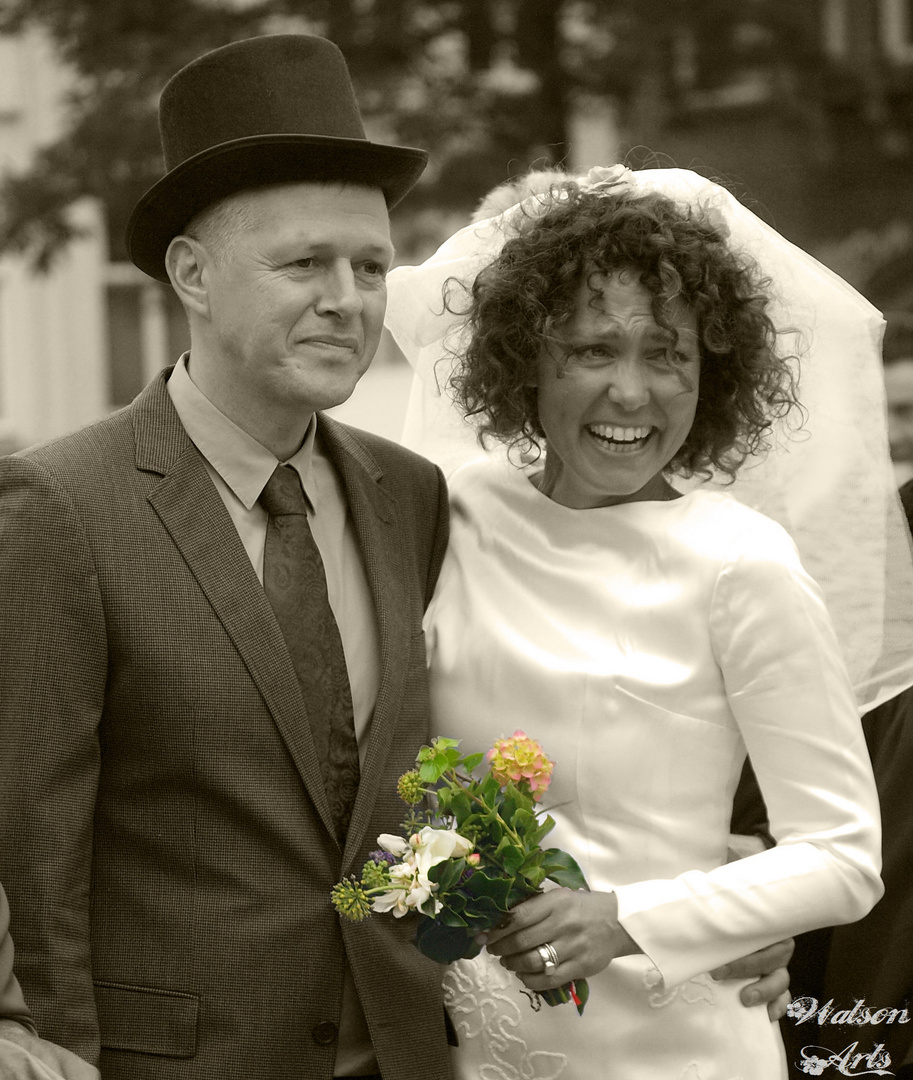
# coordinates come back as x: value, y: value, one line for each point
x: 257, y: 161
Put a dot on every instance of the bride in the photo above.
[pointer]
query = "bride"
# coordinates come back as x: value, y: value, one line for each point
x: 624, y: 338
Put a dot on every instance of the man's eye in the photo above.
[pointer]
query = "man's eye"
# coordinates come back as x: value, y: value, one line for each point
x: 374, y: 269
x: 304, y: 264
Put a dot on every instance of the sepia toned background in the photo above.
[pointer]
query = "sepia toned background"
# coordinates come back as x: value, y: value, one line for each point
x: 805, y: 109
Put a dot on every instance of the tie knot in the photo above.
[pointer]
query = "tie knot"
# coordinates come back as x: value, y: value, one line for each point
x: 283, y: 493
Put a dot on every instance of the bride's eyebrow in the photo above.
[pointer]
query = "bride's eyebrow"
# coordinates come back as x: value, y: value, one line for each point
x: 615, y: 330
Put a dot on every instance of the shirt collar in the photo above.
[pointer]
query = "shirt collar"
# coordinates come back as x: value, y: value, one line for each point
x: 243, y: 463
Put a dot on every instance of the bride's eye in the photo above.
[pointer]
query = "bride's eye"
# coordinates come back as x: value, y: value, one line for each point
x: 590, y: 356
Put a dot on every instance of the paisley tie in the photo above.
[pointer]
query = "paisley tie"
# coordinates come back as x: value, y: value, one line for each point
x: 296, y: 586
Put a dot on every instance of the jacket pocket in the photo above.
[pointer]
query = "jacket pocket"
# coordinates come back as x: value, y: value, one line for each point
x: 147, y: 1020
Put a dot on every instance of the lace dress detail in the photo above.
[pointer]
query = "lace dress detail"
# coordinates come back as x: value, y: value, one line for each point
x: 701, y: 988
x: 486, y: 1004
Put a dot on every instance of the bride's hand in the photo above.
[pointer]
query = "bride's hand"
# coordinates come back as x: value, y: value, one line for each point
x: 582, y: 928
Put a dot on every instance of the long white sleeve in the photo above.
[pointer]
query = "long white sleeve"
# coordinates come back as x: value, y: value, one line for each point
x: 791, y: 698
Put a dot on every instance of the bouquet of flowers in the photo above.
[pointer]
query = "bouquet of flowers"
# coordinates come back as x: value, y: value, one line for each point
x: 466, y: 861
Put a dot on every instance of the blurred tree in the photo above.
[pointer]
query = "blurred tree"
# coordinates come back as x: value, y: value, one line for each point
x: 486, y: 85
x: 121, y: 52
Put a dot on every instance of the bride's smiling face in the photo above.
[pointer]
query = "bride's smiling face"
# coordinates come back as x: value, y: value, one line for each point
x: 616, y: 395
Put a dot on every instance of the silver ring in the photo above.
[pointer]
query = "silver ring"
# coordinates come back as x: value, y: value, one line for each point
x: 549, y: 957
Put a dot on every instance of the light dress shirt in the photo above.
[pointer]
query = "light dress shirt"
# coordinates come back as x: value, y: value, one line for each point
x: 240, y: 467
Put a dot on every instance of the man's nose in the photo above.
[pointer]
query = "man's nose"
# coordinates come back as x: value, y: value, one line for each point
x: 628, y: 384
x: 339, y: 294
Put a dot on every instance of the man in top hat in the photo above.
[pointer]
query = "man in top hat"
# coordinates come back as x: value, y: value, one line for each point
x: 211, y: 603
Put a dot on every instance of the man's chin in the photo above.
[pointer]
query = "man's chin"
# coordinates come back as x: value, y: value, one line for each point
x: 319, y: 396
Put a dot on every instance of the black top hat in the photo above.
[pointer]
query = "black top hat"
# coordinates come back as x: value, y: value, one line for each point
x: 268, y: 110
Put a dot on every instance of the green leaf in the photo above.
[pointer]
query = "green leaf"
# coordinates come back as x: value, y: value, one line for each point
x: 563, y: 869
x: 444, y: 796
x: 511, y: 803
x: 437, y: 748
x: 534, y: 876
x: 545, y: 826
x: 492, y: 828
x: 561, y: 995
x: 472, y: 761
x: 445, y: 943
x: 489, y: 789
x: 461, y: 807
x: 449, y: 917
x: 482, y: 884
x: 583, y: 993
x: 558, y: 995
x: 484, y: 914
x: 429, y: 772
x: 534, y: 870
x: 533, y: 862
x: 525, y: 822
x: 520, y: 890
x: 447, y: 873
x: 508, y: 855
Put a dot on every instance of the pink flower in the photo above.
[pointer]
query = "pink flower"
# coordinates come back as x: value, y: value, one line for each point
x: 520, y: 759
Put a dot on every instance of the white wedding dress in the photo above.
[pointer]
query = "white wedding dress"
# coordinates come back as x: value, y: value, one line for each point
x: 647, y: 645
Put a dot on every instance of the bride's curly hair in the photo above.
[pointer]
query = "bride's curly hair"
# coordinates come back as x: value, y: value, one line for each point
x: 521, y: 299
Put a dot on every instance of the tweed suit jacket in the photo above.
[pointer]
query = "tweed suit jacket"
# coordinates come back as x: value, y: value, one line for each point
x: 165, y: 836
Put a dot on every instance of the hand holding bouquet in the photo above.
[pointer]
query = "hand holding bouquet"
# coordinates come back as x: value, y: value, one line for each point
x: 469, y: 859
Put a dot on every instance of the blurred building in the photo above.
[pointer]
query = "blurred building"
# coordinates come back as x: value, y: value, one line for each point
x: 824, y: 149
x: 53, y: 367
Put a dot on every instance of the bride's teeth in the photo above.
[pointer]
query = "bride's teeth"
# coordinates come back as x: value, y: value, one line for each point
x: 620, y: 434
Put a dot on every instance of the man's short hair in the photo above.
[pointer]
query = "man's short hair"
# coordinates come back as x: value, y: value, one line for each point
x: 218, y: 227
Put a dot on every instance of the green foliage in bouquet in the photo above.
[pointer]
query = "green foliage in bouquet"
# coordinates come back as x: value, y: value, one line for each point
x: 470, y: 858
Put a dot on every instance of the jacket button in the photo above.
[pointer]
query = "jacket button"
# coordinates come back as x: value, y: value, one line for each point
x: 324, y: 1033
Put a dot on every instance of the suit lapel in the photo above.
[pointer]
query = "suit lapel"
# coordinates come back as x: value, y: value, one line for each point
x: 192, y: 511
x: 374, y: 515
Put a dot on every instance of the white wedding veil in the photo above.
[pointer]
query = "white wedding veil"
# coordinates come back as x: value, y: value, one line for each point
x: 829, y: 484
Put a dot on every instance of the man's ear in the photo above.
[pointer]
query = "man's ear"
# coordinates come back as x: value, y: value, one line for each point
x: 186, y: 261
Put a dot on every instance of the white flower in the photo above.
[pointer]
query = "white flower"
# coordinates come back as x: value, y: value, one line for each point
x: 411, y: 889
x: 394, y: 900
x: 396, y: 845
x: 420, y: 893
x: 602, y: 178
x: 411, y: 886
x: 436, y: 845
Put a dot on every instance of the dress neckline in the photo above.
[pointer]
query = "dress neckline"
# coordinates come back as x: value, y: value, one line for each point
x: 523, y: 479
